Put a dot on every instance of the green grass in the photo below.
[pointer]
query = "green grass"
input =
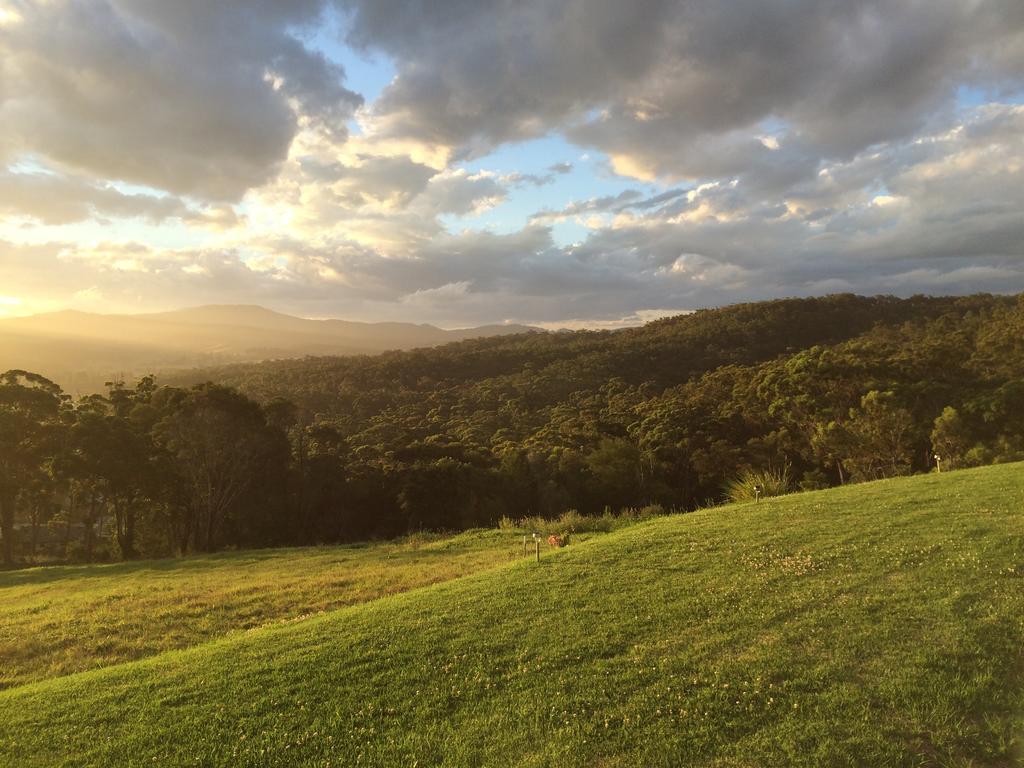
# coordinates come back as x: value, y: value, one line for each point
x: 55, y: 621
x: 875, y: 625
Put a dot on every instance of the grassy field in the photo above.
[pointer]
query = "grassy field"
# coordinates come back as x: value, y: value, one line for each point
x: 55, y: 621
x: 875, y: 625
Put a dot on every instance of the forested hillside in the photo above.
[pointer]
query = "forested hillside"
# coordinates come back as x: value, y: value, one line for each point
x: 803, y: 393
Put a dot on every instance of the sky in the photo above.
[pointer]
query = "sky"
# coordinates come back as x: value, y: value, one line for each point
x: 579, y: 163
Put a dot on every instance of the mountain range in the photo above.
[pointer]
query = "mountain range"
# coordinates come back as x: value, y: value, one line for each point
x: 83, y: 350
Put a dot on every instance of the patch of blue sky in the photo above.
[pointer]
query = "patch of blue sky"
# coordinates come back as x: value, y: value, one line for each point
x: 589, y: 177
x: 773, y: 126
x: 367, y: 73
x: 879, y: 189
x: 972, y: 96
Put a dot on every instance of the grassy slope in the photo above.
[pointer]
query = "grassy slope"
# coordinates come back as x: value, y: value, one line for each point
x: 54, y: 621
x: 880, y: 624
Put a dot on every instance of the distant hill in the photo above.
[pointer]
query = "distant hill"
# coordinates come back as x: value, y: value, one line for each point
x: 545, y: 369
x: 83, y: 350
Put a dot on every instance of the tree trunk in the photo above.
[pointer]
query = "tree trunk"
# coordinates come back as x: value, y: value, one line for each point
x: 37, y: 513
x: 182, y: 519
x: 90, y: 531
x: 68, y: 522
x: 129, y: 531
x: 7, y: 528
x: 124, y: 519
x: 300, y: 455
x: 211, y: 523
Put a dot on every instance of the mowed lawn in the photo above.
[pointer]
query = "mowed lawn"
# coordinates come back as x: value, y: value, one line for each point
x: 873, y: 625
x: 59, y: 620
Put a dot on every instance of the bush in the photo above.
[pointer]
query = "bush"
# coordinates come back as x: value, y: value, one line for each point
x: 421, y: 538
x: 815, y: 480
x: 571, y: 521
x: 773, y: 482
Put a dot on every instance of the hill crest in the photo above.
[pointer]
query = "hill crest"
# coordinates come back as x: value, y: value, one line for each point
x: 84, y: 349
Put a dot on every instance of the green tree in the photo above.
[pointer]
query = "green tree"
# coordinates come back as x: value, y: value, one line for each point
x: 30, y: 407
x: 113, y: 459
x: 878, y: 439
x: 615, y: 467
x: 219, y: 440
x: 950, y: 437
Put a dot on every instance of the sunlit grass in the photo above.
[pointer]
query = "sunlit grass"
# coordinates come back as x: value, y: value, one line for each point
x: 873, y: 625
x: 54, y: 621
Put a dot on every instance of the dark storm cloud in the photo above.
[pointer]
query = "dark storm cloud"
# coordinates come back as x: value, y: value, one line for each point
x: 188, y: 96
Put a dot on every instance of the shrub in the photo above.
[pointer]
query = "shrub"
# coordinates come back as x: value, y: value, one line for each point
x: 572, y: 521
x: 815, y: 480
x: 773, y: 482
x: 421, y: 538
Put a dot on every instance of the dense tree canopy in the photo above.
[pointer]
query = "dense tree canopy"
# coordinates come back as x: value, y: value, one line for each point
x: 832, y: 390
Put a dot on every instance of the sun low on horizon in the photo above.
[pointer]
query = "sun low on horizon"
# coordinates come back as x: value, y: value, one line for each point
x: 562, y: 164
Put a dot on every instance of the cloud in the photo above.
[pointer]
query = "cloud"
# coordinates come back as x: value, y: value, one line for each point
x: 790, y: 147
x: 388, y: 203
x: 537, y: 179
x: 54, y: 199
x: 190, y: 97
x: 387, y: 180
x: 680, y: 89
x: 430, y: 296
x: 627, y: 200
x: 948, y: 222
x: 528, y: 179
x: 460, y: 192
